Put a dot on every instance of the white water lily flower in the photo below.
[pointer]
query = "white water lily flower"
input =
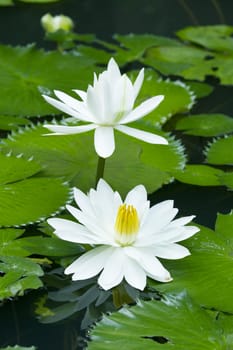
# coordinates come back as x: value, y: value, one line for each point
x: 107, y: 105
x: 127, y: 236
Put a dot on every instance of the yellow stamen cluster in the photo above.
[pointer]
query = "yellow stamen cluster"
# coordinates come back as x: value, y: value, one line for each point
x: 126, y: 225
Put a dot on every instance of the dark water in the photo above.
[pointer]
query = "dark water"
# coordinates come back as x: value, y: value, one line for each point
x: 20, y: 25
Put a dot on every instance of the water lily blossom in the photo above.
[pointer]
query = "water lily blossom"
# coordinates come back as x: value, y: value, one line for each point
x: 105, y: 106
x: 127, y: 238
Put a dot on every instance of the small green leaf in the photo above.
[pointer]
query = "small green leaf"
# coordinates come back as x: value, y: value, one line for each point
x: 226, y: 179
x: 201, y: 175
x: 20, y: 274
x: 206, y: 124
x: 158, y: 325
x: 220, y: 151
x: 218, y: 37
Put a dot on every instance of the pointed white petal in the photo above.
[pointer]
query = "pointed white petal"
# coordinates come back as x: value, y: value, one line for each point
x: 171, y: 251
x: 104, y: 141
x: 138, y: 83
x: 68, y: 130
x: 134, y: 274
x: 181, y: 221
x: 113, y: 70
x: 63, y: 107
x: 149, y: 263
x: 83, y: 202
x: 142, y: 135
x: 95, y: 103
x: 81, y: 94
x: 143, y: 109
x: 138, y: 198
x: 76, y: 105
x: 123, y: 99
x: 72, y: 232
x: 112, y: 275
x: 158, y: 217
x: 89, y: 264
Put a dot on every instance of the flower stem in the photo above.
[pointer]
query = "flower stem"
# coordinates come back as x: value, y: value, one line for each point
x: 100, y: 169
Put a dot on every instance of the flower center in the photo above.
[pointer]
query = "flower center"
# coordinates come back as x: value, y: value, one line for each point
x: 126, y: 225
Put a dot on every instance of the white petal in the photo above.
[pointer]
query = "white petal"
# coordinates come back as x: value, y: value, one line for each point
x: 112, y: 275
x: 90, y: 263
x: 81, y: 94
x: 75, y: 104
x: 72, y: 231
x: 63, y: 107
x: 94, y: 225
x: 149, y: 263
x: 181, y: 221
x: 171, y: 251
x: 104, y: 141
x: 123, y: 99
x: 69, y: 130
x: 134, y: 274
x: 83, y: 202
x: 177, y: 234
x: 157, y: 218
x: 142, y: 135
x: 138, y: 198
x: 143, y: 109
x: 113, y: 70
x: 95, y: 103
x: 138, y: 83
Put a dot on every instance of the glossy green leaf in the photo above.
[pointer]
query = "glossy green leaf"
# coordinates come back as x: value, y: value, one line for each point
x: 200, y: 89
x: 169, y: 106
x: 31, y: 200
x: 220, y: 151
x: 217, y: 38
x: 206, y: 124
x: 175, y: 322
x: 6, y: 2
x: 66, y: 156
x: 15, y: 169
x: 207, y: 273
x: 26, y: 72
x: 9, y: 244
x: 19, y: 274
x: 226, y: 179
x: 201, y: 175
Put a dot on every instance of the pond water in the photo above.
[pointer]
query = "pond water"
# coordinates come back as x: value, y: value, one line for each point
x: 20, y: 25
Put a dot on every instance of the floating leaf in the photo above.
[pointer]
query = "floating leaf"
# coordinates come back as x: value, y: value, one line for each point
x: 31, y: 200
x: 218, y: 37
x: 20, y: 274
x: 227, y: 179
x: 15, y: 169
x: 25, y: 72
x: 207, y: 273
x: 206, y: 124
x: 220, y: 151
x: 157, y: 325
x: 9, y: 122
x: 169, y: 106
x: 201, y: 175
x: 67, y: 157
x: 200, y: 89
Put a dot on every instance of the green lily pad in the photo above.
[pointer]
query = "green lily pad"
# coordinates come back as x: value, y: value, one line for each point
x: 201, y: 175
x: 26, y: 72
x: 175, y: 322
x: 65, y: 156
x: 19, y: 274
x: 207, y: 274
x: 206, y: 124
x: 220, y: 151
x: 218, y: 37
x: 226, y: 179
x: 9, y: 122
x: 169, y: 106
x: 31, y: 200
